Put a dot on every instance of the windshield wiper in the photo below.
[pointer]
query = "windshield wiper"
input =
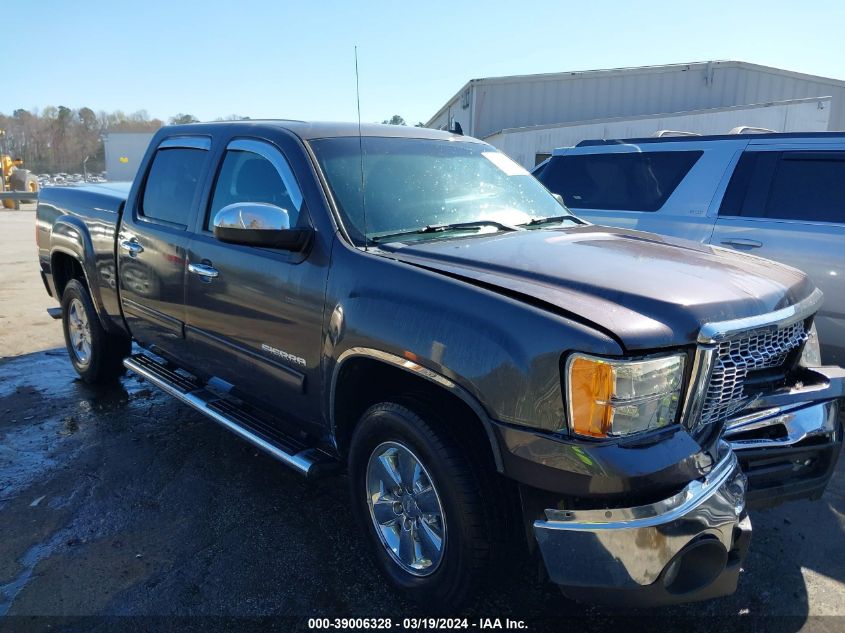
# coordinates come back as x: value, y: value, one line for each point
x: 443, y: 228
x: 554, y: 219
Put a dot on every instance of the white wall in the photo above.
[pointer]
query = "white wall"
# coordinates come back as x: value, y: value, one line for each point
x: 124, y: 152
x: 455, y: 112
x: 806, y: 115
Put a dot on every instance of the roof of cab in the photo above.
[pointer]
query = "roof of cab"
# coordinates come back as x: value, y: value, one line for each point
x: 310, y: 130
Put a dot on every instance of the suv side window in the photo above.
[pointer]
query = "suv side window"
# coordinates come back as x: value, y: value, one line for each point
x: 809, y: 186
x: 796, y: 185
x: 253, y: 171
x: 172, y: 183
x: 629, y: 181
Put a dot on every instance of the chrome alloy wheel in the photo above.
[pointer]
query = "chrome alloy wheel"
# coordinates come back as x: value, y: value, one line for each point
x: 79, y: 331
x: 405, y: 508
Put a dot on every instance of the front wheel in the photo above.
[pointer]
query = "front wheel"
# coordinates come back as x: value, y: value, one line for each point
x: 96, y: 355
x: 425, y: 502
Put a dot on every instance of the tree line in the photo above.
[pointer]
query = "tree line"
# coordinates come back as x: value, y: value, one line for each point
x: 60, y: 139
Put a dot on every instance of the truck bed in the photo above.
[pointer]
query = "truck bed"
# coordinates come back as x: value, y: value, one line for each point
x: 81, y: 222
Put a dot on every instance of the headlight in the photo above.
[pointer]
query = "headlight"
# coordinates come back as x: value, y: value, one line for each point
x: 610, y: 398
x: 812, y: 354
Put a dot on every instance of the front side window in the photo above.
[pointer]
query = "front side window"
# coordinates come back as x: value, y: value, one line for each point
x: 629, y: 181
x: 246, y: 176
x: 417, y: 184
x: 172, y: 183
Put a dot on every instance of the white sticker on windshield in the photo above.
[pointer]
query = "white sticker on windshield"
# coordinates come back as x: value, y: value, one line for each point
x: 505, y: 164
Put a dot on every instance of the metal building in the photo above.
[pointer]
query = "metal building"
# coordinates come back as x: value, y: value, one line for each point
x: 712, y: 97
x: 124, y: 152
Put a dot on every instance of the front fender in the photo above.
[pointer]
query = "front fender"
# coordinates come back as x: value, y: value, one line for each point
x: 423, y: 372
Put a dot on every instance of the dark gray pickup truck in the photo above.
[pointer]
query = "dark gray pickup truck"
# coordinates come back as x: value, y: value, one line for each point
x: 498, y: 377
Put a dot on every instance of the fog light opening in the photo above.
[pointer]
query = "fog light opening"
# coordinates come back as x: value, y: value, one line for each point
x: 695, y: 567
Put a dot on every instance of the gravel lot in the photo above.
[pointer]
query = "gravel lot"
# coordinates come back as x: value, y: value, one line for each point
x: 123, y: 502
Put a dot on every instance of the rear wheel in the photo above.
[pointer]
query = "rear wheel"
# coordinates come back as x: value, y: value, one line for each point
x: 426, y: 503
x: 96, y: 354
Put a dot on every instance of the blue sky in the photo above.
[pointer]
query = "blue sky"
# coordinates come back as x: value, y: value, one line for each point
x: 295, y: 59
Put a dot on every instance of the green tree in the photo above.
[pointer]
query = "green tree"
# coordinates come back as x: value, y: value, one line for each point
x: 181, y: 119
x: 232, y: 117
x: 88, y: 119
x: 394, y: 120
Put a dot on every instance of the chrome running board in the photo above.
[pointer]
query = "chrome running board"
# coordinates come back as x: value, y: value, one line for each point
x: 308, y: 461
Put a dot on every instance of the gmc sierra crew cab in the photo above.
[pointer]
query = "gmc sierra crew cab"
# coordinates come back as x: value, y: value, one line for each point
x: 412, y: 307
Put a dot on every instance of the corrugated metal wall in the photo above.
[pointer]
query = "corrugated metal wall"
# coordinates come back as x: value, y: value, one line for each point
x: 524, y: 144
x: 498, y: 104
x: 603, y: 94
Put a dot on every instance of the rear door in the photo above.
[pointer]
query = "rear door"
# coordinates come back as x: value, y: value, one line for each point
x: 152, y: 243
x: 787, y: 203
x: 254, y: 315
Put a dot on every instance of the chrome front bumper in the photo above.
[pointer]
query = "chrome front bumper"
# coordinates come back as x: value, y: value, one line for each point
x: 690, y: 546
x: 684, y: 548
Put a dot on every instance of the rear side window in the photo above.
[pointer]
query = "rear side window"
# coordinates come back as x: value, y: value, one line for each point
x: 171, y: 184
x: 808, y: 186
x: 635, y: 181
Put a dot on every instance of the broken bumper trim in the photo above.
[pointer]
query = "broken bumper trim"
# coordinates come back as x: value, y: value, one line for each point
x: 787, y: 454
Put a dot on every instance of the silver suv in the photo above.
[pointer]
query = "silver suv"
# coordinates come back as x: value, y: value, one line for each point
x: 779, y: 196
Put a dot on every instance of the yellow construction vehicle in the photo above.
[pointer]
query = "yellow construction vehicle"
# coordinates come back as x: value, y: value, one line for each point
x: 12, y: 177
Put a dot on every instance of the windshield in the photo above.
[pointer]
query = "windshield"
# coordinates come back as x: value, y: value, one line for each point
x: 413, y: 183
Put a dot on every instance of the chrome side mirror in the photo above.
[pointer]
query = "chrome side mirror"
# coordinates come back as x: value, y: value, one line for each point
x: 259, y: 224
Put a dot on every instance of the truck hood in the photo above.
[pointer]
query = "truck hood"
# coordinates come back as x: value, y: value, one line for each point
x: 645, y: 290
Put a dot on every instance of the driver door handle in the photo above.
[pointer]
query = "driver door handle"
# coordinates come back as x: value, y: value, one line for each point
x: 742, y: 243
x: 203, y: 270
x: 133, y: 246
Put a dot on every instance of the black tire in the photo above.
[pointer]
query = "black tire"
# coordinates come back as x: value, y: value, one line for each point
x: 103, y: 363
x: 32, y: 184
x: 464, y: 485
x: 22, y: 180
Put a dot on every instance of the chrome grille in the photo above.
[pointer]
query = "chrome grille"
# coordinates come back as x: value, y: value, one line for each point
x: 759, y: 349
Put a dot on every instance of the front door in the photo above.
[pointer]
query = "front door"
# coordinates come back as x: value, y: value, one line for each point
x: 152, y: 243
x: 254, y: 315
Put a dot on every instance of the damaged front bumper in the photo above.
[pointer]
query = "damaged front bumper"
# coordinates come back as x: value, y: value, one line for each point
x: 684, y: 548
x: 690, y: 546
x: 789, y: 443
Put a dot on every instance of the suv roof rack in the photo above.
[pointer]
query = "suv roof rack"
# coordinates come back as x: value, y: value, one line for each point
x: 750, y: 129
x: 665, y: 133
x: 715, y: 137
